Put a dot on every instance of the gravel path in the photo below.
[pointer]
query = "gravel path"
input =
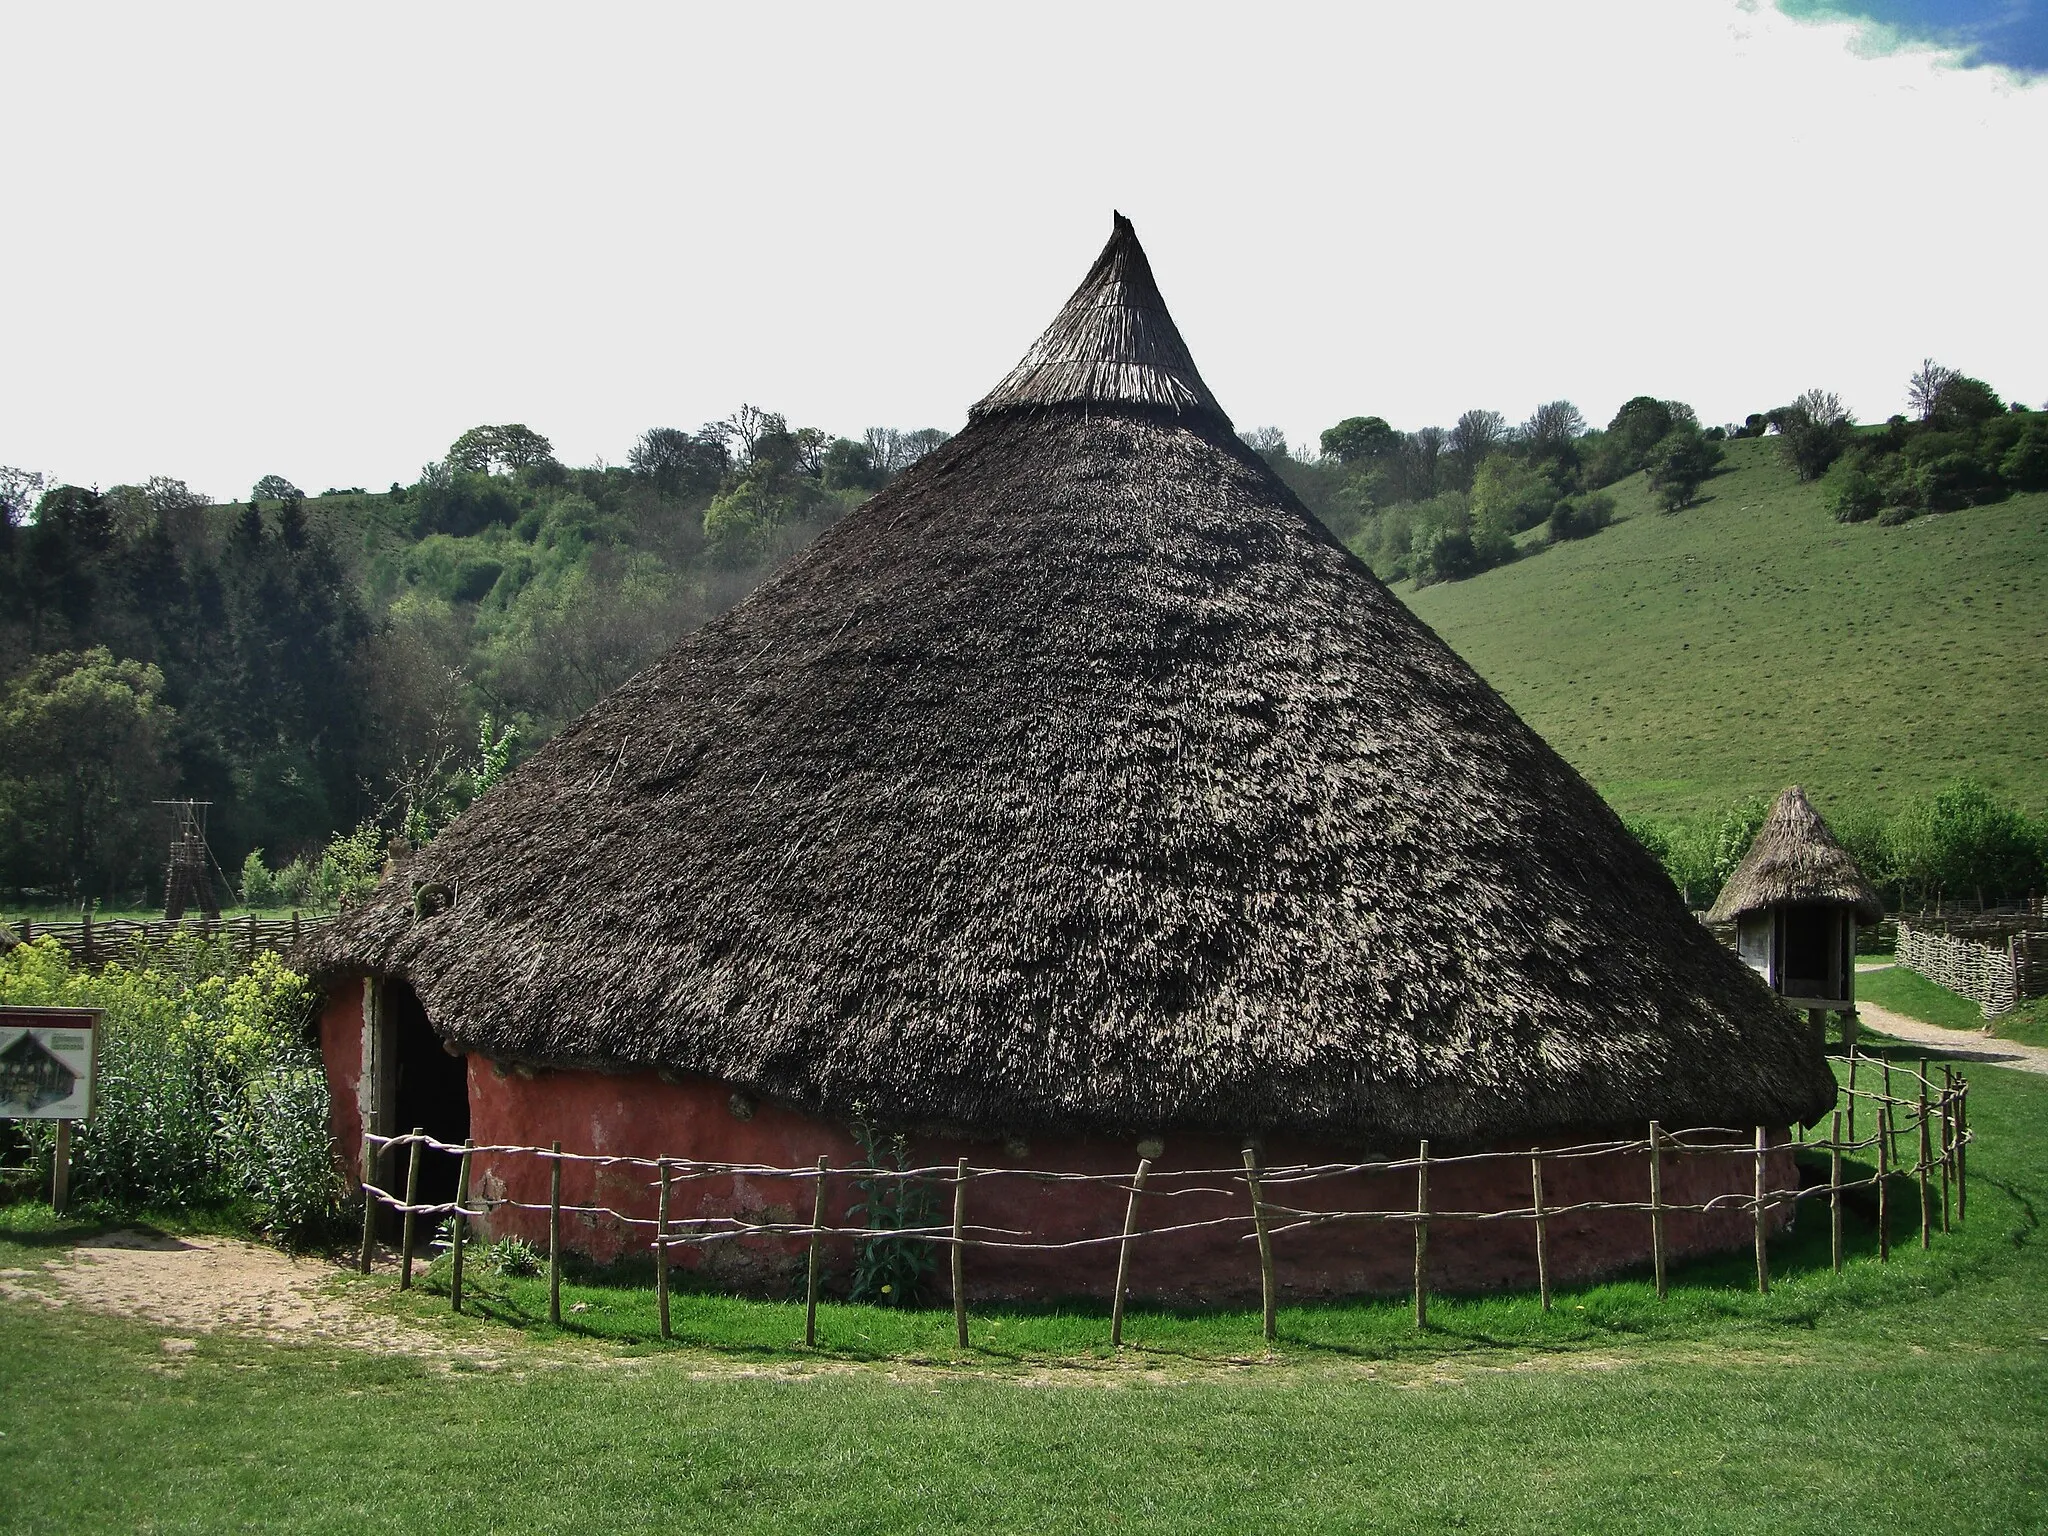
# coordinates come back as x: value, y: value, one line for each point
x: 1956, y: 1044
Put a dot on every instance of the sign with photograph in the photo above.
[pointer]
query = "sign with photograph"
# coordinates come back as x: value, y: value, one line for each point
x: 47, y: 1061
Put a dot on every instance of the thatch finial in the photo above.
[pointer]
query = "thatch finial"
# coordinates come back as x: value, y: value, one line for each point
x: 1112, y: 343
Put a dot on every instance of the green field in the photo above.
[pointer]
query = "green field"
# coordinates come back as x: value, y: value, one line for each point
x: 1684, y: 661
x: 1912, y: 994
x: 1905, y: 1395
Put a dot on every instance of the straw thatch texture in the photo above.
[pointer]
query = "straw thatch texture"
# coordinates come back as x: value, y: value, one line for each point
x: 1111, y: 343
x: 1795, y: 859
x: 1080, y: 780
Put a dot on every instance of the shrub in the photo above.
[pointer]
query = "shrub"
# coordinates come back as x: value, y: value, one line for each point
x: 1853, y: 494
x: 890, y: 1271
x: 1955, y: 481
x: 2025, y: 465
x: 259, y: 885
x: 1576, y: 517
x: 1814, y: 431
x: 1899, y: 512
x: 209, y: 1091
x: 1679, y: 465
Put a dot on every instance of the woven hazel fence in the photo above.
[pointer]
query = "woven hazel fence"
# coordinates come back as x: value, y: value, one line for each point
x: 1917, y: 1127
x: 90, y: 942
x: 1993, y: 975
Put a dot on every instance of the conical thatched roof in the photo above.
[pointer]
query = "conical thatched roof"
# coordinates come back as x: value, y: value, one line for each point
x: 1080, y: 780
x: 1795, y: 859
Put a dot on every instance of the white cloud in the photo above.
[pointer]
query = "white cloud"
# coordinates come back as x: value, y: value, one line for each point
x: 266, y: 239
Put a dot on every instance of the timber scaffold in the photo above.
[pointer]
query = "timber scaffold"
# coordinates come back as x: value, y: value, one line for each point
x: 1916, y: 1125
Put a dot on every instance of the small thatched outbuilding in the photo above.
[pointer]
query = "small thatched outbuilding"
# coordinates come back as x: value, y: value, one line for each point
x: 1079, y: 789
x: 1795, y: 900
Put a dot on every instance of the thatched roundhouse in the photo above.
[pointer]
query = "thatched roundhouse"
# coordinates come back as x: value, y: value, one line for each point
x: 1079, y: 789
x: 1795, y: 900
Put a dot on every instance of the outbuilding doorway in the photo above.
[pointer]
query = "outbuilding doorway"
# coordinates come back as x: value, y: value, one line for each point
x: 430, y: 1090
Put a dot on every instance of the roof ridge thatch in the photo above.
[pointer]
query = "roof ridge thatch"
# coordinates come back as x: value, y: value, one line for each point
x: 1795, y: 858
x: 1082, y: 781
x: 1112, y: 343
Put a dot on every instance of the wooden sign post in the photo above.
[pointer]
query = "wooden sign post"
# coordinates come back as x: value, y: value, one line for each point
x: 49, y: 1067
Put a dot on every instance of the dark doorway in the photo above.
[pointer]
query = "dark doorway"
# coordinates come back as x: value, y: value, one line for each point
x: 432, y: 1092
x: 1809, y: 953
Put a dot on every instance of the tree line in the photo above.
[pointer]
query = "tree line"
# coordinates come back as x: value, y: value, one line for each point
x: 331, y: 670
x: 1442, y: 504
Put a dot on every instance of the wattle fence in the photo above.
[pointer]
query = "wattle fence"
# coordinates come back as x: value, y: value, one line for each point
x: 1995, y: 971
x: 91, y: 942
x: 1918, y: 1128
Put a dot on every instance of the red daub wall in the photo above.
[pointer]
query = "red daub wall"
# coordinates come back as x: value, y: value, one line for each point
x: 640, y: 1114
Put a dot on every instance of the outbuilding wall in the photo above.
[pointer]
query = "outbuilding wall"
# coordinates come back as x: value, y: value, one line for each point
x: 642, y: 1114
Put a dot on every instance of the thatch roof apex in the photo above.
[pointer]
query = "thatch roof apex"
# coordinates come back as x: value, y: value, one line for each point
x: 1112, y: 343
x: 1795, y: 860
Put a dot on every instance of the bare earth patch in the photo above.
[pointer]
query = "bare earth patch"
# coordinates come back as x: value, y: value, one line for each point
x: 209, y: 1284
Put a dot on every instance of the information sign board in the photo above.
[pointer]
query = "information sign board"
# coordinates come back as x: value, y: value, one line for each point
x: 48, y: 1058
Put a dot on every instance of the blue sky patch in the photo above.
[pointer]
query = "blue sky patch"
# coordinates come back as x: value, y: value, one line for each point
x: 2008, y: 33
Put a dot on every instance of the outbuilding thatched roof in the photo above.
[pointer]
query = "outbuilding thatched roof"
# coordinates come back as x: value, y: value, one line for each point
x: 1796, y: 860
x: 1080, y: 780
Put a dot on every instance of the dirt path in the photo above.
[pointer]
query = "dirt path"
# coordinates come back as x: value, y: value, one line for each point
x: 1957, y: 1044
x: 204, y: 1284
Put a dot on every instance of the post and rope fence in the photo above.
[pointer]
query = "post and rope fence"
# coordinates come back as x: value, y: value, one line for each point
x: 1936, y: 1115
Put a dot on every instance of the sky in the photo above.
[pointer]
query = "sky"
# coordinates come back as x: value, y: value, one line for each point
x: 322, y: 242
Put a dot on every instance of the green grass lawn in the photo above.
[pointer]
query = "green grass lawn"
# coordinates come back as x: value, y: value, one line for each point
x: 1749, y: 642
x: 1912, y: 994
x: 1908, y: 1394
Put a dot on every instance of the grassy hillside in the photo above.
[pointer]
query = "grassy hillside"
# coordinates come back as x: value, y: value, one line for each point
x: 1681, y: 661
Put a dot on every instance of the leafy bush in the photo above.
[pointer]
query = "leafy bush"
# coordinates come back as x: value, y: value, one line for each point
x: 513, y: 1257
x: 209, y: 1091
x: 2025, y: 464
x: 1680, y: 464
x: 351, y: 867
x: 259, y: 885
x: 1853, y: 494
x: 1814, y: 430
x: 1577, y: 517
x: 890, y: 1271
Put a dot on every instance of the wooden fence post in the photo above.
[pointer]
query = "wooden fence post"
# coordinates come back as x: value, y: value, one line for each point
x: 1884, y: 1184
x: 1251, y: 1178
x: 1948, y: 1138
x: 1657, y: 1204
x: 1422, y: 1235
x: 1763, y: 1257
x: 960, y: 1255
x: 1123, y: 1254
x: 295, y: 927
x: 1887, y: 1095
x: 1542, y: 1232
x: 1835, y: 1192
x: 1963, y: 1152
x: 661, y: 1244
x: 60, y: 1169
x: 252, y: 935
x: 369, y: 1170
x: 410, y: 1227
x: 86, y: 934
x: 1920, y: 1168
x: 555, y: 1233
x: 811, y: 1279
x: 461, y: 1223
x: 1852, y: 1093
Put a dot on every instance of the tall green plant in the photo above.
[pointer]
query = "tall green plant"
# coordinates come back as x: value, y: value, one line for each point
x: 209, y: 1091
x: 890, y: 1271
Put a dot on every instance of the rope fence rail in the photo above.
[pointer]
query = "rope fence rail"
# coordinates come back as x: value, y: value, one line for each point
x: 1929, y: 1116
